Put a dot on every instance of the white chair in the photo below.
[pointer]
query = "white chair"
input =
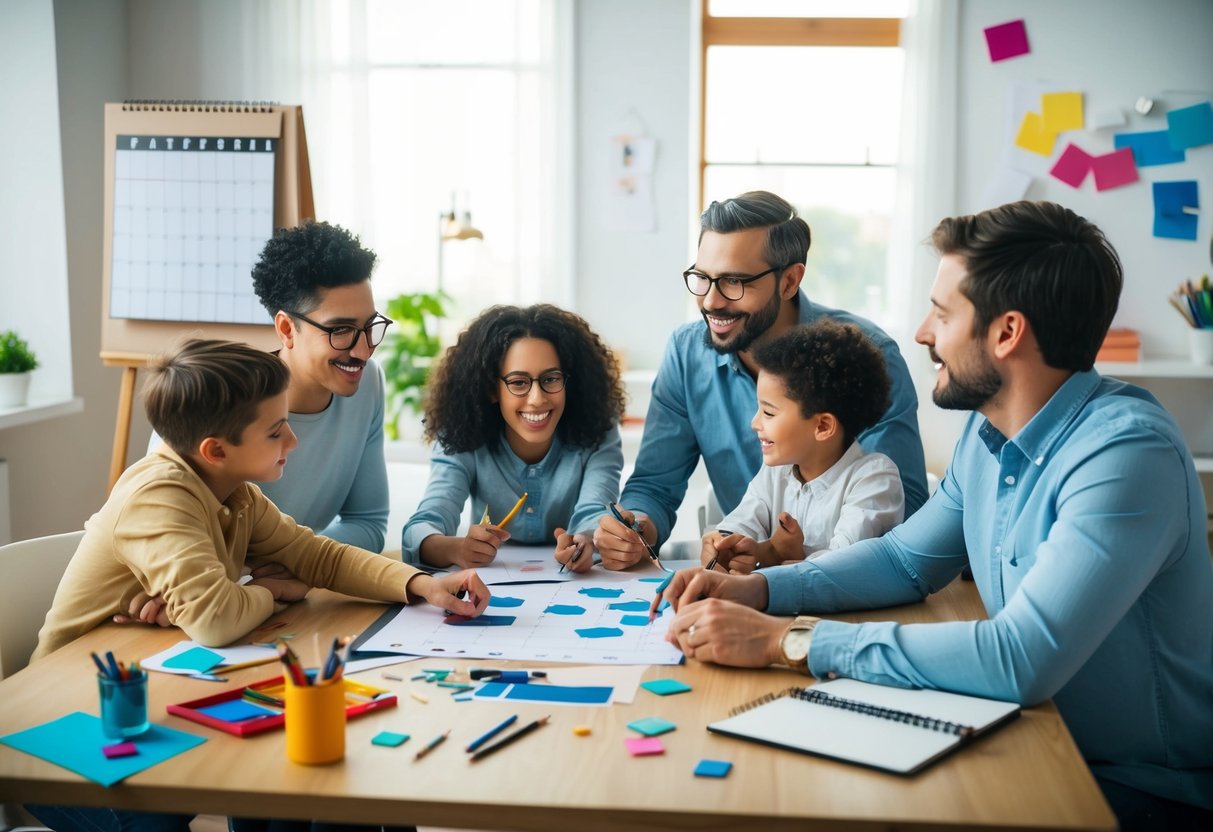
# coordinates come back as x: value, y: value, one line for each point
x: 31, y: 570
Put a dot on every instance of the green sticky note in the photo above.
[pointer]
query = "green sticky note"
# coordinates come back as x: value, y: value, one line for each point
x: 389, y: 738
x: 652, y: 726
x: 665, y: 687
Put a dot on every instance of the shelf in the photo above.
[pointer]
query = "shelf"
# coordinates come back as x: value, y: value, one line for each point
x: 1204, y: 464
x: 1155, y: 368
x: 40, y: 411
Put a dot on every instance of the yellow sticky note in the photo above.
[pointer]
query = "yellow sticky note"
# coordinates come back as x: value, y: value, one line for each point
x: 1062, y: 110
x: 1035, y: 136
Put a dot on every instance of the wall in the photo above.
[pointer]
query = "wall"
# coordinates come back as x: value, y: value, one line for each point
x: 58, y: 468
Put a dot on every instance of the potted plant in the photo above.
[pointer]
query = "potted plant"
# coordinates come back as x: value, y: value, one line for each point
x: 17, y: 361
x: 408, y: 352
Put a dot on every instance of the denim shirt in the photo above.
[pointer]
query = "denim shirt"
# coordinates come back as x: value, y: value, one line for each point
x: 702, y: 404
x: 568, y: 488
x: 1088, y: 541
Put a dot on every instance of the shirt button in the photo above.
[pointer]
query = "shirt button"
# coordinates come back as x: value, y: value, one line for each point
x: 998, y: 550
x: 1010, y: 480
x: 831, y: 675
x: 530, y: 510
x: 226, y: 511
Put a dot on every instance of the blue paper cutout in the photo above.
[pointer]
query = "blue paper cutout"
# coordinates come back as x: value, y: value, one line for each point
x: 600, y: 592
x: 481, y: 621
x: 504, y: 601
x: 1149, y: 149
x: 197, y: 659
x: 1191, y: 126
x: 565, y: 609
x: 237, y: 710
x: 630, y: 606
x: 634, y: 620
x: 1170, y: 198
x: 599, y: 632
x: 588, y: 695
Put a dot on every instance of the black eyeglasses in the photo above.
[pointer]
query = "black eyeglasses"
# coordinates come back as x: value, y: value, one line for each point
x: 730, y: 288
x: 345, y: 337
x: 520, y: 384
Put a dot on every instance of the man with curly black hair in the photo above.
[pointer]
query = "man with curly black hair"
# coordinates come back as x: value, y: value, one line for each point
x: 315, y: 282
x: 819, y: 386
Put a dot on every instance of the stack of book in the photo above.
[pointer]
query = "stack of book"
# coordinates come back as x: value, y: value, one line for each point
x: 1120, y: 345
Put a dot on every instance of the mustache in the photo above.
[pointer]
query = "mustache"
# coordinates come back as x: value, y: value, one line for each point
x: 352, y: 362
x: 934, y: 356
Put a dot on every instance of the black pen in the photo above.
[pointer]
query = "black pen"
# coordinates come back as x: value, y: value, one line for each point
x: 519, y: 734
x: 712, y: 563
x: 573, y: 559
x: 634, y: 527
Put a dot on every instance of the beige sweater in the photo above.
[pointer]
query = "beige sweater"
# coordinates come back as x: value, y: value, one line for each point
x: 163, y: 531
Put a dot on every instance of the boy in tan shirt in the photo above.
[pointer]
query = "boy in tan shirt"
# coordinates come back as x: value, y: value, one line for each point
x: 180, y: 523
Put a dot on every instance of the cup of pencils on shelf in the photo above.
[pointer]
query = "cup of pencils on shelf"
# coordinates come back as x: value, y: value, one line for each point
x: 1194, y: 301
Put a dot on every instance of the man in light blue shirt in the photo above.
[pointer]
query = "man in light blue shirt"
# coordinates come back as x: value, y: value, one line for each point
x: 746, y: 278
x: 1076, y: 502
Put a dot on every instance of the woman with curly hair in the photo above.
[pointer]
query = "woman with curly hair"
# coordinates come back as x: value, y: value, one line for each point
x: 819, y: 386
x: 528, y: 400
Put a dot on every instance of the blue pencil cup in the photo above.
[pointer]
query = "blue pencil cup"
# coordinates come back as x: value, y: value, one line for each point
x: 123, y: 706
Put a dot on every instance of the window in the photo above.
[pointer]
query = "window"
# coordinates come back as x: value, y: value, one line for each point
x: 809, y: 107
x: 429, y: 107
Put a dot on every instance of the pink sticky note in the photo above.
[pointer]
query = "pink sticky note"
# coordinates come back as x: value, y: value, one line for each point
x: 644, y: 746
x: 119, y: 749
x: 1007, y: 40
x: 1114, y: 169
x: 1073, y: 165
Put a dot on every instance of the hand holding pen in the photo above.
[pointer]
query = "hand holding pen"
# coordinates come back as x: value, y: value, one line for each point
x: 620, y: 538
x: 569, y: 551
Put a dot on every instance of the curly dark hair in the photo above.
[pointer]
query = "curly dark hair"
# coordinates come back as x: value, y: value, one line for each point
x: 459, y: 412
x: 297, y: 262
x: 830, y: 367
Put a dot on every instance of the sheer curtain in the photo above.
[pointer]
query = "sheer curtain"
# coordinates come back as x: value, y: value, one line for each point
x: 926, y: 193
x: 412, y: 109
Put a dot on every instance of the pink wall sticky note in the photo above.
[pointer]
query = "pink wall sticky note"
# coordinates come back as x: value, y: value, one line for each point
x: 643, y: 746
x: 1073, y: 166
x: 1007, y: 40
x: 1114, y: 169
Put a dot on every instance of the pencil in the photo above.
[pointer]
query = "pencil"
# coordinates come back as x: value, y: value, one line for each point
x: 434, y: 743
x: 517, y: 735
x: 492, y: 732
x: 513, y: 511
x: 250, y: 663
x: 712, y: 563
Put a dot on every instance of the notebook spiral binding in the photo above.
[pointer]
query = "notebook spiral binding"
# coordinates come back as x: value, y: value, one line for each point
x: 184, y: 106
x: 819, y: 698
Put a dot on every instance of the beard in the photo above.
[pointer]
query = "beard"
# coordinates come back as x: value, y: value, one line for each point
x: 755, y: 326
x: 967, y: 390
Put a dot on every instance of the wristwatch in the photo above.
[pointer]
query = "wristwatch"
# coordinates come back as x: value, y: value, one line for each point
x: 794, y: 646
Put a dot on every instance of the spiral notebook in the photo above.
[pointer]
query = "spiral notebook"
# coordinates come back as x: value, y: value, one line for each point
x: 893, y: 729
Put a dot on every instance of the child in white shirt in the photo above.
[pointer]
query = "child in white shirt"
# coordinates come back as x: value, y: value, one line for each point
x: 819, y: 386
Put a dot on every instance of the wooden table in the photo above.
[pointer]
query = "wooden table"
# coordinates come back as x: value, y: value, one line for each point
x: 1026, y: 775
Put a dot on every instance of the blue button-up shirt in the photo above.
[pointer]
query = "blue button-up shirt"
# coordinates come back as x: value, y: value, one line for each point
x: 568, y: 488
x: 702, y: 404
x: 1086, y: 533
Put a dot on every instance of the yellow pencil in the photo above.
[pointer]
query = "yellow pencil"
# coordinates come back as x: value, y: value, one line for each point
x: 250, y: 663
x: 513, y: 511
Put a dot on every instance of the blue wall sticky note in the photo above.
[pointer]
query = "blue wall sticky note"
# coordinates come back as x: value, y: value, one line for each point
x: 599, y: 632
x: 630, y: 606
x: 197, y: 659
x: 74, y: 742
x: 1191, y: 126
x: 1170, y: 219
x: 237, y: 710
x: 665, y: 687
x: 652, y: 726
x: 1153, y: 148
x: 713, y: 768
x: 504, y: 601
x: 565, y: 609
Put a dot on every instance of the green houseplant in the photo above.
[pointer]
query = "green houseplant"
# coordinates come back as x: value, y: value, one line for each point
x: 17, y: 361
x: 408, y: 352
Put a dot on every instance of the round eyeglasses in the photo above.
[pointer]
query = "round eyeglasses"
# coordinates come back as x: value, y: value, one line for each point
x: 730, y: 288
x: 520, y: 384
x: 345, y: 337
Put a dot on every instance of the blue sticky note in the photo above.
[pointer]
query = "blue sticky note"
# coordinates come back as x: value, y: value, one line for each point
x: 504, y: 601
x: 600, y: 592
x: 197, y: 659
x: 481, y: 621
x: 1153, y: 148
x: 665, y: 687
x: 713, y: 768
x: 634, y: 620
x: 1170, y: 199
x: 237, y: 710
x: 74, y: 742
x: 630, y: 606
x: 565, y: 609
x: 1191, y: 126
x: 599, y: 632
x: 389, y: 738
x: 652, y: 726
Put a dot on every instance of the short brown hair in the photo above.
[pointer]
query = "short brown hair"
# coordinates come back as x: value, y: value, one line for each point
x: 209, y: 388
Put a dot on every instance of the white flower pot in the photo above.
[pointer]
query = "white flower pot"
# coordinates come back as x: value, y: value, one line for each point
x: 14, y: 389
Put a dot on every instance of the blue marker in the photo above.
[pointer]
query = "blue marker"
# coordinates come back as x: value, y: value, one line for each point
x: 492, y: 732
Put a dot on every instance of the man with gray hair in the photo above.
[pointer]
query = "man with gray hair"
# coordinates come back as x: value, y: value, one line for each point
x: 746, y: 279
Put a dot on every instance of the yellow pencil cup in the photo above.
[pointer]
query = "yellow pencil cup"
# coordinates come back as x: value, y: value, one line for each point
x: 315, y: 722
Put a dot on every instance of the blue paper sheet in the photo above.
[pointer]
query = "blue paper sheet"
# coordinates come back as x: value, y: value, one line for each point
x: 587, y: 695
x: 237, y: 710
x: 1150, y: 149
x: 74, y: 742
x: 1170, y: 198
x: 1191, y: 126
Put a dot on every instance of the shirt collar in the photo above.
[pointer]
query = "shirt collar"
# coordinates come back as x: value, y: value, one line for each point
x: 834, y: 473
x: 1037, y: 437
x: 516, y: 461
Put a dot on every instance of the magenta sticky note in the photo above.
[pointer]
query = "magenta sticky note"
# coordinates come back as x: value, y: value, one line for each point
x: 1007, y: 40
x: 644, y: 746
x: 119, y: 749
x: 1073, y: 165
x: 1114, y: 169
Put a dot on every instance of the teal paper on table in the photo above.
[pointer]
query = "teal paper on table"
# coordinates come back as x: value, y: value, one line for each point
x: 74, y: 742
x: 197, y: 659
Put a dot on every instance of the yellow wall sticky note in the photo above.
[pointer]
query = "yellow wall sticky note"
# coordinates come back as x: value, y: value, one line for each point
x: 1034, y: 135
x: 1062, y: 110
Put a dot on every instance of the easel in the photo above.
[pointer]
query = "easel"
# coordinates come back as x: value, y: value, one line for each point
x: 129, y: 344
